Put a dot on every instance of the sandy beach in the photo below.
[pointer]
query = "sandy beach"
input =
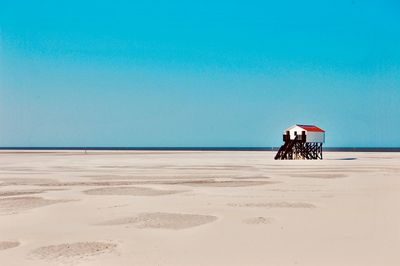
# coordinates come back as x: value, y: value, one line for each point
x: 198, y: 208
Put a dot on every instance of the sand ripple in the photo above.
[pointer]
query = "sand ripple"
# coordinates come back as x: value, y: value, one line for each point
x: 164, y: 220
x: 132, y: 191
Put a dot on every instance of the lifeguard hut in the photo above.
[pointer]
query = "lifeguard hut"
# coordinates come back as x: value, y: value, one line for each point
x: 302, y: 142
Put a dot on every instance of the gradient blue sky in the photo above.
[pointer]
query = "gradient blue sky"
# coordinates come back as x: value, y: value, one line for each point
x: 198, y: 73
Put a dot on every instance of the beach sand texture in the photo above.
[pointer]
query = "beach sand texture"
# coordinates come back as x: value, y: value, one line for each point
x: 198, y: 208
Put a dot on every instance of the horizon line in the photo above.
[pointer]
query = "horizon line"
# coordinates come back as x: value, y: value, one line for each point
x: 189, y: 148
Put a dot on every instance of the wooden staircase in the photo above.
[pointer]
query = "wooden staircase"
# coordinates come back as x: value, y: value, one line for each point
x: 285, y: 152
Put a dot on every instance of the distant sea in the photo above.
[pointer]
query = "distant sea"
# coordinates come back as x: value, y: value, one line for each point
x: 356, y: 149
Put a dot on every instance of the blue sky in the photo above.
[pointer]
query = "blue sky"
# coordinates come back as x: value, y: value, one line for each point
x: 198, y: 73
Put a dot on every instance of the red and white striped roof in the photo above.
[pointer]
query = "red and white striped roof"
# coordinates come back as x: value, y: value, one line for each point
x: 311, y: 128
x: 307, y: 128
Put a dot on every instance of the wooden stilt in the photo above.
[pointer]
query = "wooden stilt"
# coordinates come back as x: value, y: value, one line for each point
x: 299, y: 149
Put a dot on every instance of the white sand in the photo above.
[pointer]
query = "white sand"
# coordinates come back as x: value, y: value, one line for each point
x: 198, y: 208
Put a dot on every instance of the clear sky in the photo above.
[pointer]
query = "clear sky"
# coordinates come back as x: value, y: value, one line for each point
x: 198, y: 73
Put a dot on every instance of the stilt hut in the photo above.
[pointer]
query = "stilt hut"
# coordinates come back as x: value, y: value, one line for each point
x: 302, y: 142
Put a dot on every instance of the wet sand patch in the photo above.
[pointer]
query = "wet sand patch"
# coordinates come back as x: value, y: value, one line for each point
x: 17, y: 204
x: 163, y: 220
x: 77, y: 250
x: 186, y: 182
x: 25, y: 181
x: 254, y: 178
x: 110, y: 177
x: 90, y: 183
x: 165, y: 176
x: 8, y: 244
x: 17, y: 169
x: 282, y: 204
x: 323, y: 176
x: 258, y: 220
x: 131, y: 191
x: 230, y: 183
x: 9, y: 193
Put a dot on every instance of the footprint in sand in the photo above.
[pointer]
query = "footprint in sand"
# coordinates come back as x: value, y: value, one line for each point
x: 72, y: 251
x: 163, y: 220
x: 8, y: 244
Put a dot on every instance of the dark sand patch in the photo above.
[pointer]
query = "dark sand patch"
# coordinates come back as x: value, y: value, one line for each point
x: 254, y: 178
x: 76, y: 250
x: 118, y: 166
x: 258, y: 220
x: 211, y: 167
x: 144, y: 177
x: 230, y: 183
x: 25, y: 181
x: 9, y: 193
x: 91, y: 183
x: 159, y: 175
x: 186, y: 182
x: 162, y: 220
x: 8, y: 244
x: 324, y: 176
x: 149, y: 181
x: 111, y: 177
x: 17, y: 169
x: 17, y: 204
x: 131, y: 191
x: 282, y: 204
